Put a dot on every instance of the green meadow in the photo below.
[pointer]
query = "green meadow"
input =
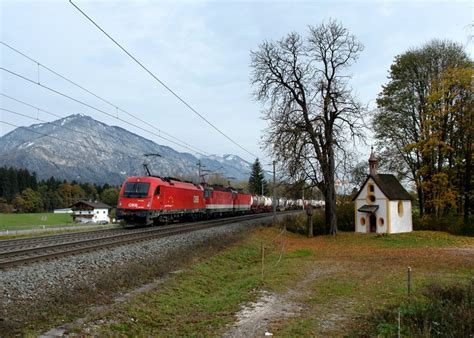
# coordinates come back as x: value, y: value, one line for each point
x: 33, y: 221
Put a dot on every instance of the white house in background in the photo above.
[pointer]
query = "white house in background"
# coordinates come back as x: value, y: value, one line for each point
x: 90, y: 212
x: 382, y: 205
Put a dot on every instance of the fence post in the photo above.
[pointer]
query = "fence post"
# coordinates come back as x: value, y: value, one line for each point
x: 398, y: 324
x: 409, y: 282
x: 263, y: 257
x: 309, y: 214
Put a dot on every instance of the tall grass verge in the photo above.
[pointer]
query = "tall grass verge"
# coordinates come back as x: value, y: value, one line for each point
x: 438, y: 311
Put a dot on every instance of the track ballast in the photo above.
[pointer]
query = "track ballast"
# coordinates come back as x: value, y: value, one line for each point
x: 16, y: 252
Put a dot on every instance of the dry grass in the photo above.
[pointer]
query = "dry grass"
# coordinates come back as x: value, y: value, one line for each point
x: 366, y: 272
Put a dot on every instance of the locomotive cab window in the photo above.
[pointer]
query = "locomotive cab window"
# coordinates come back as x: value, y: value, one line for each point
x: 136, y: 189
x: 207, y: 193
x: 157, y: 190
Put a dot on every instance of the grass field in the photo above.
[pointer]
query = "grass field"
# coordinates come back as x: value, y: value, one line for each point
x: 329, y: 285
x: 332, y: 280
x: 33, y: 220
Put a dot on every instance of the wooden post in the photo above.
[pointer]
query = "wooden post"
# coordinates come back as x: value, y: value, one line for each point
x: 309, y: 214
x: 263, y: 258
x: 310, y: 226
x: 409, y: 282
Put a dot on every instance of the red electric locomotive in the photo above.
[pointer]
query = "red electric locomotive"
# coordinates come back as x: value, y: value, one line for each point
x: 221, y: 201
x: 242, y: 203
x: 148, y: 199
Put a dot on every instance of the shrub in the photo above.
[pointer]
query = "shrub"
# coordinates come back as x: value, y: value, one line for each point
x: 298, y: 224
x: 451, y: 223
x: 5, y: 207
x: 441, y: 311
x: 345, y: 219
x: 345, y: 216
x: 294, y: 223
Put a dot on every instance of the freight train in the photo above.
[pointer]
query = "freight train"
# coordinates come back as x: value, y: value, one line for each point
x: 153, y: 200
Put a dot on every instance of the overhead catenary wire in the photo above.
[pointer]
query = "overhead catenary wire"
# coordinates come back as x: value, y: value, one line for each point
x: 163, y: 84
x: 36, y: 132
x: 32, y: 106
x: 38, y: 119
x: 188, y: 146
x: 97, y: 109
x: 96, y: 148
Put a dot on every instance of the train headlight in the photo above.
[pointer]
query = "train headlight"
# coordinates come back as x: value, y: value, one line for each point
x: 148, y: 204
x: 120, y: 204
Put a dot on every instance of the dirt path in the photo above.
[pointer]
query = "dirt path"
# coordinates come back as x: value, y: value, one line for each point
x: 254, y: 319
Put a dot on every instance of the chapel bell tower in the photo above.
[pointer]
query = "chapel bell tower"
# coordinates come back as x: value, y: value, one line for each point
x: 372, y: 163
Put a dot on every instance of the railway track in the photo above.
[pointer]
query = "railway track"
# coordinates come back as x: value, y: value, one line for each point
x: 28, y: 250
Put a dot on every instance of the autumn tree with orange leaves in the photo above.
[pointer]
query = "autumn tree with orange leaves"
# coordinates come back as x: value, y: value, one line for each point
x: 425, y: 123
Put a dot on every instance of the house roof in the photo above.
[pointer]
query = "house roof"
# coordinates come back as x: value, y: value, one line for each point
x: 389, y: 185
x: 95, y: 205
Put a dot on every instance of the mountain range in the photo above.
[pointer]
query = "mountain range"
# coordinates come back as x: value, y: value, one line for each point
x: 80, y: 148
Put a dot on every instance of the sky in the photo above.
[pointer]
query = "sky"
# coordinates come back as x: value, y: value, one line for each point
x: 199, y: 49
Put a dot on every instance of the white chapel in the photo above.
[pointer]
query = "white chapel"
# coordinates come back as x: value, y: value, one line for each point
x: 382, y: 205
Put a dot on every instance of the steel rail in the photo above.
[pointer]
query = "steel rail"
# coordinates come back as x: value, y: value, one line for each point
x: 39, y: 240
x: 17, y: 257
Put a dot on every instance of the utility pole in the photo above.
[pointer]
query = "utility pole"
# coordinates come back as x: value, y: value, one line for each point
x: 229, y: 178
x: 274, y: 195
x: 199, y: 171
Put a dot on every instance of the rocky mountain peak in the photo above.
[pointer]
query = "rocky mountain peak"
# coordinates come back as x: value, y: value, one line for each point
x: 78, y: 147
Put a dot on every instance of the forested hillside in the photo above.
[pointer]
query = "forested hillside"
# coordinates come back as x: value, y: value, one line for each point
x: 21, y: 191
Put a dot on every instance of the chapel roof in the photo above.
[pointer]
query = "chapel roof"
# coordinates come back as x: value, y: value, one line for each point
x: 389, y: 185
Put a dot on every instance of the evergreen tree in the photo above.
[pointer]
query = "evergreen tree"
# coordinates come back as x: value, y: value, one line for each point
x: 257, y: 179
x: 13, y: 181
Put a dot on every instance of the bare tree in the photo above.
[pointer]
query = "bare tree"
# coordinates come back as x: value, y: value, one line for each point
x: 311, y: 110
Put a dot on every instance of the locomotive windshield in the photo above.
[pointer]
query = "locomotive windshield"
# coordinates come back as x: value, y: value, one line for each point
x: 136, y: 189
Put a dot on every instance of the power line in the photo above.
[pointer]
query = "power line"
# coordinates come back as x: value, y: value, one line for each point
x: 64, y: 127
x: 37, y: 132
x: 105, y: 151
x: 97, y: 109
x: 29, y: 105
x: 97, y: 147
x: 52, y: 122
x: 197, y: 150
x: 38, y: 119
x: 162, y: 83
